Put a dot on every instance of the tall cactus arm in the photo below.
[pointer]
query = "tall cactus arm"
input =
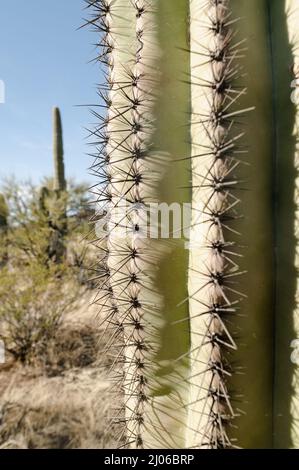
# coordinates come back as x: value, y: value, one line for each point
x: 133, y: 181
x: 204, y: 336
x: 135, y: 164
x: 59, y: 174
x: 226, y: 388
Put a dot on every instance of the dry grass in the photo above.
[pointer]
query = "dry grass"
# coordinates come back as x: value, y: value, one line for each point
x: 74, y: 346
x: 57, y: 413
x: 62, y: 400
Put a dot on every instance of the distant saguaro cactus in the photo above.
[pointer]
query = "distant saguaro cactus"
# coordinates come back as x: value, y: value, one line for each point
x: 53, y: 201
x: 58, y: 152
x: 199, y: 109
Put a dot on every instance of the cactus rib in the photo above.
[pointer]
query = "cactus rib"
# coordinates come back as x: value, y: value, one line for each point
x: 214, y: 269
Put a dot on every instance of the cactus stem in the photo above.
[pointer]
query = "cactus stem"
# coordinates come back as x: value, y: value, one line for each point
x: 213, y: 273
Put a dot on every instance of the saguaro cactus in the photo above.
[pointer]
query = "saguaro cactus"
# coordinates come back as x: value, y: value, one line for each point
x: 59, y: 173
x: 199, y: 112
x: 52, y: 201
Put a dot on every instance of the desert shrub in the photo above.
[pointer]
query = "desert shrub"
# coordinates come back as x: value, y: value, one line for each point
x: 35, y: 291
x: 35, y: 224
x: 32, y: 304
x: 34, y: 212
x: 74, y: 345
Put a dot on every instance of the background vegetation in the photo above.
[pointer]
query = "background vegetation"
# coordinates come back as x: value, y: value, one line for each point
x: 51, y: 382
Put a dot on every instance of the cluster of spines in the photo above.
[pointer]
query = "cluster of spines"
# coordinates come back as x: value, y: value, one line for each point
x: 121, y: 163
x: 218, y: 184
x: 135, y: 378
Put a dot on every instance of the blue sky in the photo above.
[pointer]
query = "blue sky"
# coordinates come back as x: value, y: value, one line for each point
x: 43, y: 63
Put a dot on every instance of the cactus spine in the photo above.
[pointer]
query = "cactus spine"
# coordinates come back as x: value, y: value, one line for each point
x: 197, y: 367
x: 213, y: 260
x: 59, y: 216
